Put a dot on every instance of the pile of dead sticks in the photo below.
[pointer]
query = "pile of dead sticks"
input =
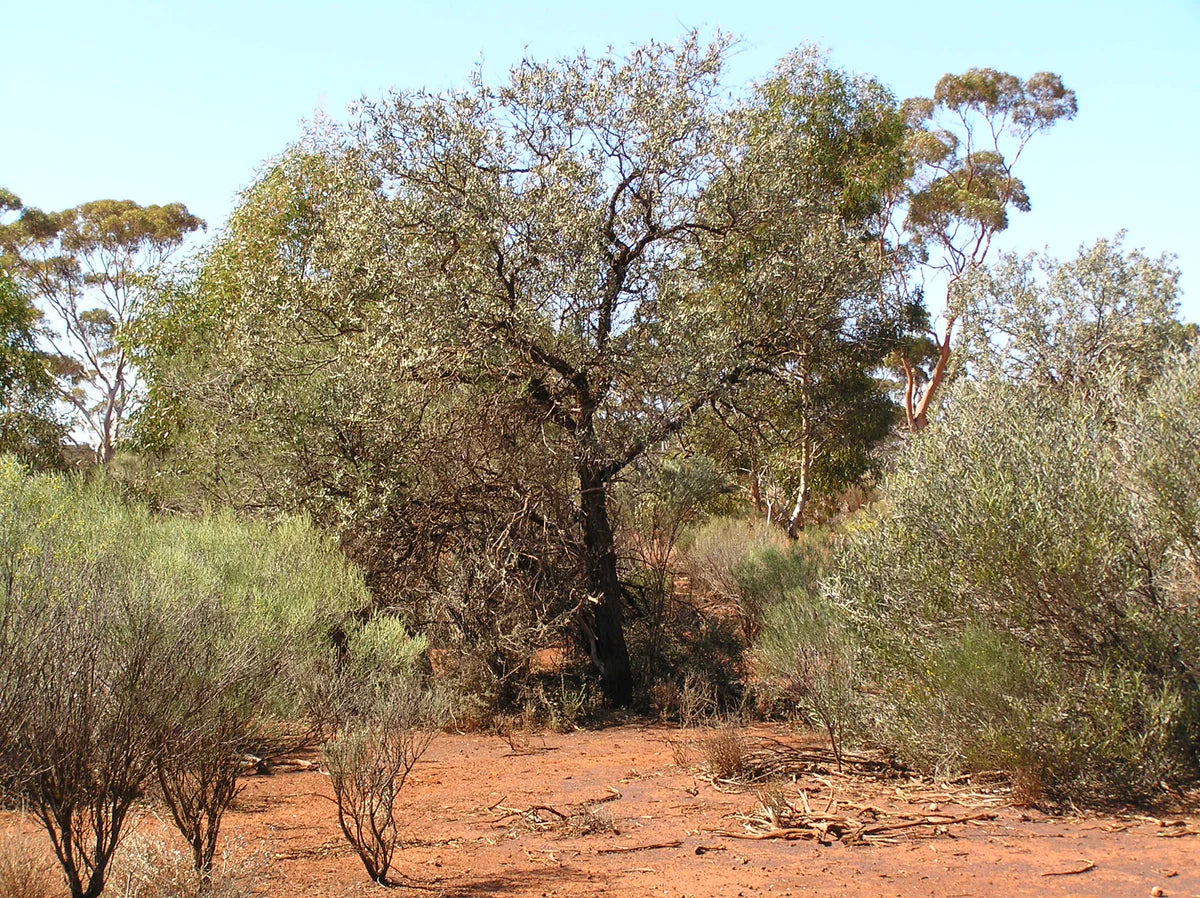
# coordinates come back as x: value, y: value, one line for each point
x: 844, y: 821
x: 581, y: 817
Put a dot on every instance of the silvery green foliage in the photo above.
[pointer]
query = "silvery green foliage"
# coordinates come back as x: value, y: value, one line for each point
x: 999, y: 513
x: 1159, y: 440
x: 1028, y: 592
x: 449, y: 328
x: 1034, y: 319
x: 554, y: 220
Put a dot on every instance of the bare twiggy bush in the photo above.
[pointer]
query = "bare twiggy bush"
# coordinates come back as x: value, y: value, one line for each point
x: 369, y: 761
x: 198, y: 772
x: 697, y: 701
x: 126, y: 646
x: 104, y: 679
x: 591, y: 819
x: 24, y: 871
x: 681, y: 753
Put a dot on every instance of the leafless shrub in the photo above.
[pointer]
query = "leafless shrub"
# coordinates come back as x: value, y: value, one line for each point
x: 697, y: 701
x: 591, y: 819
x: 204, y: 756
x: 103, y: 676
x: 369, y: 761
x: 681, y: 753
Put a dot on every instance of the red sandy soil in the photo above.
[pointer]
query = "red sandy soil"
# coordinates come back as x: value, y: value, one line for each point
x: 464, y: 837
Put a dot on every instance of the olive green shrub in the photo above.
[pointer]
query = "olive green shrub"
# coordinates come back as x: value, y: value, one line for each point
x: 1026, y: 597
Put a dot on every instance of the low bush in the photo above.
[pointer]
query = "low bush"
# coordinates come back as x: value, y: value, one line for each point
x: 726, y: 751
x: 148, y: 868
x: 379, y: 715
x: 768, y: 575
x: 716, y: 551
x: 369, y: 760
x: 809, y: 654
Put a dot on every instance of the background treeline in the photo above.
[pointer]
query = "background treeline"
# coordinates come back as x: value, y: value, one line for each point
x: 621, y: 390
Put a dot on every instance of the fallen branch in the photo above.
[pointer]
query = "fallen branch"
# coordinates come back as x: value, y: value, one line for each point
x: 675, y: 843
x: 1087, y: 865
x: 848, y: 830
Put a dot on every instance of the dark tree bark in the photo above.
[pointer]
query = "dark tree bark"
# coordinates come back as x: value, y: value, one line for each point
x: 603, y: 618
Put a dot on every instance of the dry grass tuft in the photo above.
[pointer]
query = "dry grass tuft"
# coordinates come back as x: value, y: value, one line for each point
x: 727, y: 753
x: 148, y: 868
x: 24, y: 871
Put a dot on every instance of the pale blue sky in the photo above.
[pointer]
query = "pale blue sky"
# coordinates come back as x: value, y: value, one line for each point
x: 158, y: 102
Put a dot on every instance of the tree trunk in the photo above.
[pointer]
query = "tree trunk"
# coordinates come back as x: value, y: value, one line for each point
x: 796, y: 521
x: 917, y: 412
x: 603, y: 616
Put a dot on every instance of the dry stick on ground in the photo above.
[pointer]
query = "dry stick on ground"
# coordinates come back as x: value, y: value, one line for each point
x: 1087, y: 865
x: 674, y: 843
x: 532, y: 814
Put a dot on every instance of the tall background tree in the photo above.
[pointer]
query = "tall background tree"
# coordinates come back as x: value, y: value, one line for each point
x: 1070, y: 324
x: 964, y: 148
x: 29, y: 424
x: 85, y: 266
x: 823, y: 150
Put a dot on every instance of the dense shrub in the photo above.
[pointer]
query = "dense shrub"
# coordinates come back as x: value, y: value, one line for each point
x: 1026, y: 598
x: 719, y: 547
x: 764, y: 577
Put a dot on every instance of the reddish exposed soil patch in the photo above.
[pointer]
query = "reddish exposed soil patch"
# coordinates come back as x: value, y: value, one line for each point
x: 461, y: 843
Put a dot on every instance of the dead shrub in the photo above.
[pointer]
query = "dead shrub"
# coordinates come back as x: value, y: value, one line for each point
x: 591, y: 819
x: 681, y: 753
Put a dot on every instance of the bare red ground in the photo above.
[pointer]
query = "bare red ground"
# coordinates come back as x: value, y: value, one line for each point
x: 461, y: 844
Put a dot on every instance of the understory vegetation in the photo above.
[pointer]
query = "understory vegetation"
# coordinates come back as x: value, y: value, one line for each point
x: 150, y: 655
x: 593, y: 391
x: 1025, y: 599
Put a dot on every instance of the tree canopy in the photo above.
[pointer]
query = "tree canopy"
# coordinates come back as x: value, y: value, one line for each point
x: 532, y: 284
x: 86, y: 266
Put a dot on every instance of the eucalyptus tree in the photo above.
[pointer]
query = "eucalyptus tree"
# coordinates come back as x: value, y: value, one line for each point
x: 964, y: 148
x: 1070, y: 324
x: 29, y: 424
x: 823, y: 150
x: 506, y: 296
x: 84, y: 265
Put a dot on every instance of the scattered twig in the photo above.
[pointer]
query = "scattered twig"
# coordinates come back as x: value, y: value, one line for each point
x: 848, y: 830
x: 1087, y: 865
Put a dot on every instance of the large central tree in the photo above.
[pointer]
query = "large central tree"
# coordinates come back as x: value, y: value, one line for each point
x: 574, y: 241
